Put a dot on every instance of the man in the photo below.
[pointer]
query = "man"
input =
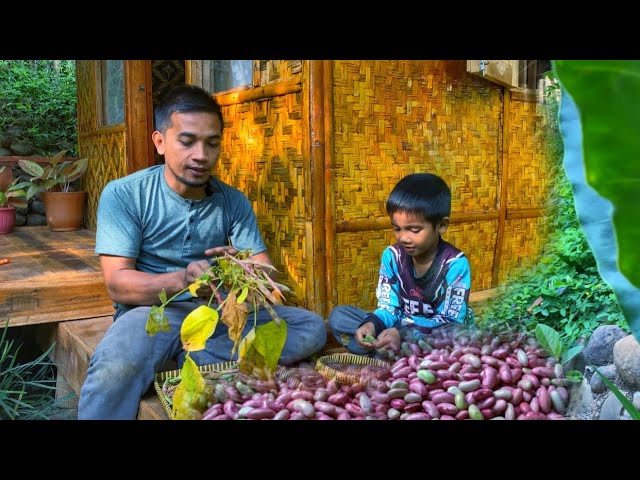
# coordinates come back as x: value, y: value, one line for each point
x: 156, y: 229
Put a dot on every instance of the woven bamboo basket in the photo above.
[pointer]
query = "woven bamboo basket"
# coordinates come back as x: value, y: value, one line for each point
x: 349, y: 369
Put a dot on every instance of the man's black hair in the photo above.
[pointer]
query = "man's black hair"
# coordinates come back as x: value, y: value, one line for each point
x: 421, y: 193
x: 184, y: 99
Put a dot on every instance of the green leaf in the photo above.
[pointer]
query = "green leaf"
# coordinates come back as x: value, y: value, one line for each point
x: 633, y: 411
x: 598, y: 114
x: 549, y: 339
x: 31, y: 168
x: 572, y: 352
x: 574, y: 376
x: 157, y: 321
x: 163, y: 296
x: 269, y: 341
x: 243, y: 295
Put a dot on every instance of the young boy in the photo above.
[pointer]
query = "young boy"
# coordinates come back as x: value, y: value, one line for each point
x: 424, y: 281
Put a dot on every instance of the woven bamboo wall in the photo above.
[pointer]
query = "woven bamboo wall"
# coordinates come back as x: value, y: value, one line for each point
x: 528, y: 186
x: 107, y: 154
x: 263, y: 156
x: 523, y: 242
x: 527, y: 179
x: 106, y: 149
x: 86, y: 92
x: 277, y: 70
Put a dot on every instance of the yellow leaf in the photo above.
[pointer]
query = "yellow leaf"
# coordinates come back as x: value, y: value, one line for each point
x: 243, y: 294
x: 197, y: 327
x: 187, y: 394
x: 193, y: 288
x: 245, y: 344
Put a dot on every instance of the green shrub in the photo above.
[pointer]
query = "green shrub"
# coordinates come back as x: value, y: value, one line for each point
x: 38, y: 105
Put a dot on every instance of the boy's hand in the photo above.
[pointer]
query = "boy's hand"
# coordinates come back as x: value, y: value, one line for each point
x: 366, y: 330
x: 389, y: 339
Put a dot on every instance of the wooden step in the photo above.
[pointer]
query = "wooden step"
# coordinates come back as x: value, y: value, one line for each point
x: 76, y: 341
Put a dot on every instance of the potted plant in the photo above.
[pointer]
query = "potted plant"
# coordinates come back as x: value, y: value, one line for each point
x: 11, y: 197
x: 64, y: 209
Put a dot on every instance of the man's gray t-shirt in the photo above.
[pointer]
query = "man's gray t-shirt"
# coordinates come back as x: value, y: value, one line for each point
x: 141, y: 217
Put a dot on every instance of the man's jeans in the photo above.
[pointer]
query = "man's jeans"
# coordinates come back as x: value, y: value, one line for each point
x: 126, y: 360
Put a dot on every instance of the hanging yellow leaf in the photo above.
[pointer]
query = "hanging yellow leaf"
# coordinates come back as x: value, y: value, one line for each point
x: 259, y: 355
x: 234, y: 316
x: 250, y: 360
x: 245, y: 344
x: 197, y: 327
x: 157, y: 321
x: 187, y: 395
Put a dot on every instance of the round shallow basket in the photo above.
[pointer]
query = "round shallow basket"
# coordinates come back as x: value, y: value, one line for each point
x: 349, y: 369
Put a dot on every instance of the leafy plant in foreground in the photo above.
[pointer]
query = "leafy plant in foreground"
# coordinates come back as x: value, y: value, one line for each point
x: 244, y: 281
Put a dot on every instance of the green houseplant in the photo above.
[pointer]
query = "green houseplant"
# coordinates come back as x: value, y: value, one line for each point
x: 11, y: 196
x: 64, y: 208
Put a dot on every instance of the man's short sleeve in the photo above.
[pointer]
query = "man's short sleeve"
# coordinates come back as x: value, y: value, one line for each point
x: 118, y: 232
x: 244, y: 225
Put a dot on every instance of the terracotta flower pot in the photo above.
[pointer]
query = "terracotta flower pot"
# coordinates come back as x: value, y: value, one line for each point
x: 7, y: 219
x: 64, y: 210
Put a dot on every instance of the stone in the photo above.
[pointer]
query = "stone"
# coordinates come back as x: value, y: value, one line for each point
x: 597, y: 385
x: 626, y: 356
x: 599, y: 349
x: 611, y: 408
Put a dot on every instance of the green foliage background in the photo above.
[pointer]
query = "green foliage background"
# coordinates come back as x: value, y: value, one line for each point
x: 575, y: 299
x: 40, y: 99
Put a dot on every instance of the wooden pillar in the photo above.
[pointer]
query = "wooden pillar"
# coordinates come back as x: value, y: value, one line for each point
x: 138, y: 114
x: 318, y: 287
x: 502, y: 199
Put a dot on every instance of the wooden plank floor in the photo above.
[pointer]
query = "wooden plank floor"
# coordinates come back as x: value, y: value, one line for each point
x: 53, y: 276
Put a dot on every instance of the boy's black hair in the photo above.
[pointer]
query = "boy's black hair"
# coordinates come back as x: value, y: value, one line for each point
x: 421, y: 193
x: 184, y: 99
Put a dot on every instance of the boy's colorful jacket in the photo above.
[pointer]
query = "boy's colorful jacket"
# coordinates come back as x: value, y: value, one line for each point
x: 439, y: 297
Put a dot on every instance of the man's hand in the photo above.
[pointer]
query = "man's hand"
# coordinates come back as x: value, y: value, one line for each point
x: 365, y: 330
x: 193, y: 271
x: 196, y: 269
x: 219, y: 251
x: 389, y: 339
